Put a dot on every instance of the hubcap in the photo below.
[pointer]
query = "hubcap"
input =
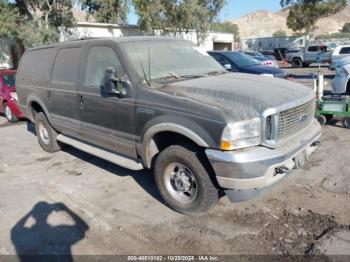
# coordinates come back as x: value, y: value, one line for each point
x: 8, y: 113
x: 44, y: 134
x: 181, y: 183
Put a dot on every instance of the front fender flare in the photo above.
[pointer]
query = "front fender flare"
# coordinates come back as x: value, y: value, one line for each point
x: 149, y: 148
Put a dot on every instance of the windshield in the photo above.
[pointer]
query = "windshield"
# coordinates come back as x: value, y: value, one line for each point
x: 241, y: 60
x: 10, y: 80
x: 165, y: 59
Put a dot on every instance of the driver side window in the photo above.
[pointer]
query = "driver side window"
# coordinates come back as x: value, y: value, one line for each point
x: 99, y: 58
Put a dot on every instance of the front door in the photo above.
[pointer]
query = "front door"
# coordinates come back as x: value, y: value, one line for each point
x: 107, y: 121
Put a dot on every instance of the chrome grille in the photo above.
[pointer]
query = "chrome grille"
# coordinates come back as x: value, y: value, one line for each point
x: 293, y: 120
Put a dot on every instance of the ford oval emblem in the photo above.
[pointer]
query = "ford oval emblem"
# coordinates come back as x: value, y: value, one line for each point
x: 303, y: 118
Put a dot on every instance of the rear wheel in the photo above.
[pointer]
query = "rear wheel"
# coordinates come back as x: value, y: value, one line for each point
x: 183, y: 181
x: 297, y: 63
x: 346, y: 122
x: 46, y: 134
x: 9, y: 114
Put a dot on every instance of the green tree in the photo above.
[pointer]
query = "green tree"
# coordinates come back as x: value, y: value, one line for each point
x: 35, y: 22
x: 280, y: 33
x: 346, y: 28
x: 107, y: 11
x: 177, y: 16
x: 9, y: 18
x: 303, y: 14
x: 226, y: 28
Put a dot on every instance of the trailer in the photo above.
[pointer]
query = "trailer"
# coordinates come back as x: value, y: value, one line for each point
x: 333, y: 107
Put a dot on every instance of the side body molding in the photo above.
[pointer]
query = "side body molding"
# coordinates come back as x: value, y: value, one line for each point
x: 149, y: 147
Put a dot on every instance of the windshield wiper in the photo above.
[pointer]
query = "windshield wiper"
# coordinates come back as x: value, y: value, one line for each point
x: 216, y: 73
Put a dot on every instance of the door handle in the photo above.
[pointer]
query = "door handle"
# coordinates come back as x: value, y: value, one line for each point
x: 81, y: 103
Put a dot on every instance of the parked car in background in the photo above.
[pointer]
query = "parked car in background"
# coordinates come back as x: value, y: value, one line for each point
x: 8, y: 96
x: 239, y: 62
x: 266, y: 60
x: 341, y: 81
x: 311, y: 54
x: 339, y: 62
x: 202, y: 130
x: 339, y: 56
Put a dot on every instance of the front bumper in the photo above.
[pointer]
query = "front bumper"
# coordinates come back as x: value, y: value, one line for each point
x: 258, y: 168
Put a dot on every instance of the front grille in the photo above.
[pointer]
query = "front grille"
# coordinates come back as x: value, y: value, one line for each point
x: 285, y: 124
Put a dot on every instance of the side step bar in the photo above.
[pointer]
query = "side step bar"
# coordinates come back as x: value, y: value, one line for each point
x: 113, y: 158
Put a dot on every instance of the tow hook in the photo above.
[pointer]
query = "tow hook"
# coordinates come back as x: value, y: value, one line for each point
x: 281, y: 170
x: 316, y: 143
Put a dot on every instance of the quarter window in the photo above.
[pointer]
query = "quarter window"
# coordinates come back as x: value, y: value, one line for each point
x: 67, y: 64
x: 99, y: 58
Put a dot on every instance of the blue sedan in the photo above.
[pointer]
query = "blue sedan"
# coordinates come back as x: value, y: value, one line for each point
x: 239, y: 62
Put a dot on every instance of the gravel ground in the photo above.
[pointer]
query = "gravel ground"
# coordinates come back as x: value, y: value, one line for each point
x: 73, y: 203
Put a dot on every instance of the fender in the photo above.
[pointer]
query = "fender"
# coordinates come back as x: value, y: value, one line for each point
x: 32, y: 99
x: 149, y: 149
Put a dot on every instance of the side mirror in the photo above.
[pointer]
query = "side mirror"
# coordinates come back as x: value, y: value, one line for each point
x: 112, y: 85
x: 228, y: 66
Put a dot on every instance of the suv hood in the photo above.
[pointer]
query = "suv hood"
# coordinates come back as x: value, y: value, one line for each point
x: 241, y: 96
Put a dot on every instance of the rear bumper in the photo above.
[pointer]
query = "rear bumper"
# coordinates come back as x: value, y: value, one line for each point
x: 259, y: 168
x: 13, y: 104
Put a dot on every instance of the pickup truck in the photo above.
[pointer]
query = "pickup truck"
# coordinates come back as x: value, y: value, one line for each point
x: 311, y: 54
x: 164, y: 104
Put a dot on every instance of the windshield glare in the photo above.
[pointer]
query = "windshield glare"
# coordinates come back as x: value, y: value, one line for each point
x: 161, y: 59
x: 10, y: 80
x: 241, y: 60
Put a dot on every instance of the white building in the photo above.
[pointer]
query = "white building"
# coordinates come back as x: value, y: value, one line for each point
x: 213, y: 41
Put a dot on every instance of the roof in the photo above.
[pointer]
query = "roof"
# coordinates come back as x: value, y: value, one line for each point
x: 116, y: 39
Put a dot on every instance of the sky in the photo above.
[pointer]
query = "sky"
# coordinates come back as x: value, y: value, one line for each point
x: 234, y: 9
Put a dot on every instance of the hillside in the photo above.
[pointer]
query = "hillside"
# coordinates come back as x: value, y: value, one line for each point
x: 264, y: 23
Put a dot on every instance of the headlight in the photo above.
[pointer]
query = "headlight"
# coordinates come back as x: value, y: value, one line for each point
x: 14, y: 95
x: 268, y: 75
x: 241, y: 134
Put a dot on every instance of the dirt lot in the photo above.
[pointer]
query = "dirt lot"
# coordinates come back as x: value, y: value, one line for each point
x: 73, y: 203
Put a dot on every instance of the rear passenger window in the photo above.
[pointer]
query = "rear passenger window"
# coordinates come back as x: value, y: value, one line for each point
x: 34, y: 65
x: 67, y: 65
x: 313, y: 49
x: 99, y: 58
x: 345, y: 51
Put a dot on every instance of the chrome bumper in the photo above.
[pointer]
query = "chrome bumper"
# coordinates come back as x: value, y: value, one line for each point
x: 255, y: 168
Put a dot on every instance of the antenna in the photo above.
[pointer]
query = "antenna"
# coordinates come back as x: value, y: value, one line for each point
x: 149, y: 64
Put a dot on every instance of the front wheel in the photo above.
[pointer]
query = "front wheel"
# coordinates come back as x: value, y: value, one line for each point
x: 9, y: 114
x: 297, y: 63
x: 183, y: 181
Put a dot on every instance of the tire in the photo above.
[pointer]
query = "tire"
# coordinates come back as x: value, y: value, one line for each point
x: 297, y: 63
x: 329, y: 118
x: 346, y: 122
x: 322, y: 120
x: 9, y: 114
x: 306, y: 65
x: 46, y: 134
x: 180, y: 168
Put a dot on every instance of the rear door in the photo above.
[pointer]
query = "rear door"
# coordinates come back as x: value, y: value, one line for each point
x: 63, y: 92
x: 108, y: 121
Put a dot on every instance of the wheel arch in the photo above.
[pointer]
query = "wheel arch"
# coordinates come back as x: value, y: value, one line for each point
x: 170, y: 133
x: 36, y: 105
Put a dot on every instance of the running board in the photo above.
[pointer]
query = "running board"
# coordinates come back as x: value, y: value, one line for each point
x: 113, y: 158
